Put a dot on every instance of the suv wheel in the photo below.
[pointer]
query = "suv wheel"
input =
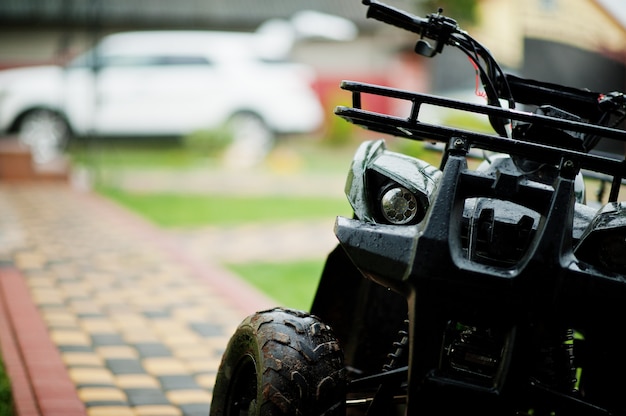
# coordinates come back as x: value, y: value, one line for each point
x: 252, y: 140
x: 46, y: 133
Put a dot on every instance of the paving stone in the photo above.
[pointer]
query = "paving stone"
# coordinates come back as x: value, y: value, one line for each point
x: 206, y: 380
x: 157, y: 314
x: 74, y: 348
x: 85, y: 307
x: 106, y: 403
x: 82, y: 359
x: 39, y: 281
x: 107, y: 339
x: 199, y: 409
x: 97, y: 326
x: 124, y: 366
x: 70, y: 280
x: 77, y: 298
x: 152, y: 349
x: 130, y: 381
x: 60, y: 318
x: 47, y: 296
x: 117, y: 351
x: 158, y: 410
x: 146, y: 396
x: 192, y: 351
x: 110, y: 411
x: 135, y: 336
x: 207, y: 329
x: 99, y: 395
x: 178, y: 382
x: 189, y: 396
x: 164, y: 366
x: 181, y: 337
x: 201, y: 365
x: 70, y: 338
x: 91, y: 376
x: 30, y: 260
x: 88, y: 315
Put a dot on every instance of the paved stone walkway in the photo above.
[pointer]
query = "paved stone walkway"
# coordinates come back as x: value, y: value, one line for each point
x: 275, y: 242
x: 136, y: 318
x: 284, y: 241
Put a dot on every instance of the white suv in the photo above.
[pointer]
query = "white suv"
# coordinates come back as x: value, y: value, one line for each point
x: 165, y: 83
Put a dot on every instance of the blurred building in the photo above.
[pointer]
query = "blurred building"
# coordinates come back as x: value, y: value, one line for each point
x: 580, y: 43
x: 529, y: 36
x: 42, y: 31
x: 567, y: 41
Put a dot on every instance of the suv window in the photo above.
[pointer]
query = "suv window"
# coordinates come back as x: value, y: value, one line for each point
x: 165, y: 60
x: 86, y: 60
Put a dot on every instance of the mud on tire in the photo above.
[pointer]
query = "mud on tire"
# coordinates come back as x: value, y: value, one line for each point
x: 281, y: 362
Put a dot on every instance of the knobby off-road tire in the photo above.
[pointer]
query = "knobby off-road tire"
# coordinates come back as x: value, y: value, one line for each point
x: 281, y: 362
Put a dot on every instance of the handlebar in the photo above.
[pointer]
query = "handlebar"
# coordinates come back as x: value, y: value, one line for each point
x: 498, y: 85
x: 436, y: 27
x: 395, y: 17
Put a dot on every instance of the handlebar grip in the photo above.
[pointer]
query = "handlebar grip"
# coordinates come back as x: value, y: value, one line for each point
x: 395, y: 17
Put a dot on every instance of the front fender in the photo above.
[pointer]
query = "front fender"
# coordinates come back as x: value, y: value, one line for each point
x: 383, y: 253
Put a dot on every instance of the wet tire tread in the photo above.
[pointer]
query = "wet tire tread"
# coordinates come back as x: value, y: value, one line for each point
x: 302, y: 363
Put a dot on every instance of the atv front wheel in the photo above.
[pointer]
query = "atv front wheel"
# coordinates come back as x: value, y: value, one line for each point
x: 280, y: 362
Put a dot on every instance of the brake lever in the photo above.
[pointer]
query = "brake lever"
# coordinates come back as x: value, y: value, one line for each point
x: 439, y: 28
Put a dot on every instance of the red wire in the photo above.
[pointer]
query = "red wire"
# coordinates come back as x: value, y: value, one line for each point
x: 479, y: 92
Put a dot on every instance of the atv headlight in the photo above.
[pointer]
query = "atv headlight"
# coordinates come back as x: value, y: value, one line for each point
x: 398, y: 205
x: 385, y: 187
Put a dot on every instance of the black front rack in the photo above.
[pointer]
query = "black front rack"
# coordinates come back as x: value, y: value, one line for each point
x: 412, y: 128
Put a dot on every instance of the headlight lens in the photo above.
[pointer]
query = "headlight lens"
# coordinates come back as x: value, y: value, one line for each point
x: 399, y: 206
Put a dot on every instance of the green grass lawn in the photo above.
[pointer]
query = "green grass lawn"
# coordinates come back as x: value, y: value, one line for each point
x: 291, y: 284
x: 6, y: 398
x: 308, y: 154
x: 176, y: 210
x: 133, y: 153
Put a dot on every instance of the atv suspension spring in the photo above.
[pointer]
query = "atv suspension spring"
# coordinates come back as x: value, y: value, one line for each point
x: 558, y: 366
x: 399, y: 348
x: 568, y: 347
